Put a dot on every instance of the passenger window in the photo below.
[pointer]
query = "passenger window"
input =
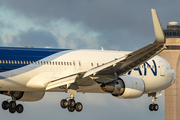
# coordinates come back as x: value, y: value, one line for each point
x: 91, y: 64
x: 64, y: 63
x: 74, y: 64
x: 67, y: 63
x: 61, y: 63
x: 70, y: 63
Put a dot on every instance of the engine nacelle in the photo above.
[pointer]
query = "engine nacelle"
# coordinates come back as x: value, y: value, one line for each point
x: 24, y: 96
x: 125, y: 87
x: 31, y: 96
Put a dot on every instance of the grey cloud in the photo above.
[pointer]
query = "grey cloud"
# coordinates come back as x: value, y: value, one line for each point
x: 76, y: 42
x: 3, y: 25
x: 35, y: 38
x: 107, y: 17
x: 123, y: 40
x: 95, y: 14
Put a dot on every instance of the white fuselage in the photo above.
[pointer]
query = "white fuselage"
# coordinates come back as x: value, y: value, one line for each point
x: 156, y: 73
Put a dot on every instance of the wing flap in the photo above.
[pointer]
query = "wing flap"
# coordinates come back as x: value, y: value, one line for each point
x: 62, y: 81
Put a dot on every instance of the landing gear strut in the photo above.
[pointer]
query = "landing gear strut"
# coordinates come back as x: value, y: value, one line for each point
x: 153, y: 107
x: 12, y: 107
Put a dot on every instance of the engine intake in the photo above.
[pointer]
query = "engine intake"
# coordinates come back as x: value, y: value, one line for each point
x: 125, y: 87
x: 115, y: 87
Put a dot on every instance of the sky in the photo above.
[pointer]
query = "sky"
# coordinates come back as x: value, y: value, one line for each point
x: 79, y: 24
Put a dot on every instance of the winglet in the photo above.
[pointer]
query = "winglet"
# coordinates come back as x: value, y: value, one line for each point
x: 159, y: 34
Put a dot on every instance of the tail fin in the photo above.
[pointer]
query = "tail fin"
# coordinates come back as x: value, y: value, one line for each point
x: 159, y: 34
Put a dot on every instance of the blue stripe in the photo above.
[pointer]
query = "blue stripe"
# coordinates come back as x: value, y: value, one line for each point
x: 30, y: 67
x: 24, y: 54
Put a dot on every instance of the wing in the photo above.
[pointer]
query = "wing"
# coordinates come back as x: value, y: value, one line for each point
x: 121, y: 65
x: 128, y: 62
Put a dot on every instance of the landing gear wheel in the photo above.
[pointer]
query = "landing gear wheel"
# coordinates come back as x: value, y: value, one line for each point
x: 156, y: 107
x: 11, y: 110
x: 71, y: 103
x: 19, y: 108
x: 12, y: 105
x: 151, y: 107
x: 5, y: 105
x: 64, y: 103
x: 79, y: 107
x: 71, y: 109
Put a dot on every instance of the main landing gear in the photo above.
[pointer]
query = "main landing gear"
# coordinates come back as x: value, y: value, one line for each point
x: 12, y: 107
x: 153, y: 107
x: 71, y: 105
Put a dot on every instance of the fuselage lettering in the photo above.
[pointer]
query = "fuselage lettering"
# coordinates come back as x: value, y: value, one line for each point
x: 153, y: 69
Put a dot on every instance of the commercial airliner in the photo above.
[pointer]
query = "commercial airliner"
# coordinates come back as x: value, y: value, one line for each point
x: 27, y: 73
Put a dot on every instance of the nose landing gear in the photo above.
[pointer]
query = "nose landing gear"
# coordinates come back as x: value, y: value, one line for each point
x: 153, y: 107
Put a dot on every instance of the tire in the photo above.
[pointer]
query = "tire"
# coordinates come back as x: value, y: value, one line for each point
x: 71, y: 103
x: 11, y: 110
x: 12, y: 105
x: 71, y: 109
x: 5, y: 105
x: 156, y: 107
x: 64, y: 103
x: 79, y: 107
x: 151, y: 107
x: 19, y: 108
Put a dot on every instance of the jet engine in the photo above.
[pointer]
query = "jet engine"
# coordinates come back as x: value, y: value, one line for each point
x: 125, y: 87
x: 24, y: 96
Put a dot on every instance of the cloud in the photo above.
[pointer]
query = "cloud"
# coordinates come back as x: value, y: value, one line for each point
x: 32, y: 37
x: 111, y: 19
x: 78, y: 41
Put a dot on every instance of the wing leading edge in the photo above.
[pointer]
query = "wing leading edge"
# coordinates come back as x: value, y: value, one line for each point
x: 124, y: 64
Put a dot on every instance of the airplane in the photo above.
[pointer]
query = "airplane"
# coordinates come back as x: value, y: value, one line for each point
x: 27, y: 73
